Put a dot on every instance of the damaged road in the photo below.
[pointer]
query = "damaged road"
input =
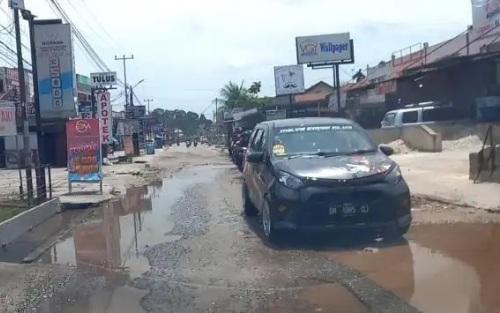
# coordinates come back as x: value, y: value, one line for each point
x: 183, y: 246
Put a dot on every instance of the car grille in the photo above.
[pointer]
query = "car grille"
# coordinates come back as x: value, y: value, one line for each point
x: 347, y: 196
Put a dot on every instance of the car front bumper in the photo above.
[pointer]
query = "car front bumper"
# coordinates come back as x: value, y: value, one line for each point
x: 376, y: 206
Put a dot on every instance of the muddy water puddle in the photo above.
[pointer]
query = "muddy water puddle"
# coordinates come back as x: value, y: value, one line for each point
x: 441, y: 268
x: 112, y: 241
x: 117, y: 233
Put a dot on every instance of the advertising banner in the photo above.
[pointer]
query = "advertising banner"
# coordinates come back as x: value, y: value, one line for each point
x: 8, y: 121
x: 56, y: 73
x: 323, y: 48
x: 84, y: 150
x: 289, y: 80
x: 105, y: 113
x: 128, y: 145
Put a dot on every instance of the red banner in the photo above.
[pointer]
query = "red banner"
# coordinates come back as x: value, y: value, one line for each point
x: 84, y: 150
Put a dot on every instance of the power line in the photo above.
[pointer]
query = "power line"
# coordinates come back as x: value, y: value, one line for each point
x: 101, y: 65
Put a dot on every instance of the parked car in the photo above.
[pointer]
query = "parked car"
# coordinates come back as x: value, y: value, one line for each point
x: 417, y: 114
x: 320, y: 174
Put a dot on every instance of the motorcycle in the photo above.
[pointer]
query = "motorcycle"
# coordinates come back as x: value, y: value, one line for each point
x: 234, y: 152
x: 188, y: 143
x: 240, y: 162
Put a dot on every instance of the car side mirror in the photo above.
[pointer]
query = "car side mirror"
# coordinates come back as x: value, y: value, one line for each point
x: 387, y: 150
x: 255, y: 157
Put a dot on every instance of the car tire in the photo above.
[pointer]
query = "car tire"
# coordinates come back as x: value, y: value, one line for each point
x: 248, y: 208
x: 271, y: 234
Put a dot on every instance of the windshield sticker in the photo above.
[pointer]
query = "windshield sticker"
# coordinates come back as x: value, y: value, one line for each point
x: 314, y: 129
x: 279, y: 149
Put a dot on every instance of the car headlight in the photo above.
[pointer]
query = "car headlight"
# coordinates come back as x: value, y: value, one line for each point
x: 289, y: 180
x: 394, y: 176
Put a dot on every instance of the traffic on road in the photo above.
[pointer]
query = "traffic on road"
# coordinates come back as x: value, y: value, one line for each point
x: 185, y: 244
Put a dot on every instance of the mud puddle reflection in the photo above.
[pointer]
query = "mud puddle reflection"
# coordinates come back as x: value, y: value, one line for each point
x: 441, y: 268
x: 112, y: 242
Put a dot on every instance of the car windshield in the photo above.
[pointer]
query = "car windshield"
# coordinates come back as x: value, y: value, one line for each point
x: 321, y: 139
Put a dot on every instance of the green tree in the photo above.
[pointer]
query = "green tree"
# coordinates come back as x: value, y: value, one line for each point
x: 255, y: 88
x: 189, y: 122
x: 234, y: 95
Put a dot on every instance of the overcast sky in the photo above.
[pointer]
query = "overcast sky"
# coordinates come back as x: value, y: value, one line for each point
x: 187, y: 50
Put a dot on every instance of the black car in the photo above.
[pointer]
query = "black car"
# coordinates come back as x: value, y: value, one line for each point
x: 320, y: 174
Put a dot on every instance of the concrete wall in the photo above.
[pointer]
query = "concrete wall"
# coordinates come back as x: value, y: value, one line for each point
x: 459, y: 129
x: 486, y: 174
x: 13, y: 228
x: 445, y: 130
x: 421, y: 138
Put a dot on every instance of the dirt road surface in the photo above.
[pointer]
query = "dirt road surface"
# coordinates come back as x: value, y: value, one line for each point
x: 183, y: 246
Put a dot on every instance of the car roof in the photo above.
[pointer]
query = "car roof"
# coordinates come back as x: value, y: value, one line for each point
x: 306, y: 121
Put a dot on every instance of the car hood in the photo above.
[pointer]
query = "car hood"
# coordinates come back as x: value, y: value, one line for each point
x: 336, y: 167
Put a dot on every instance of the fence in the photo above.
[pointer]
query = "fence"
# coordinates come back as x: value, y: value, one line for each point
x: 16, y: 197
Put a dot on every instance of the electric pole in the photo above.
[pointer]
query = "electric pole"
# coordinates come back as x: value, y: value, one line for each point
x: 124, y: 59
x: 215, y: 118
x: 148, y: 101
x: 26, y: 154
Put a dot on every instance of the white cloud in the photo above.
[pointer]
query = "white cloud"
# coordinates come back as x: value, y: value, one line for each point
x: 197, y: 44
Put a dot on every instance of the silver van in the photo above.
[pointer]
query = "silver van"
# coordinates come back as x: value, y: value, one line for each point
x: 415, y: 115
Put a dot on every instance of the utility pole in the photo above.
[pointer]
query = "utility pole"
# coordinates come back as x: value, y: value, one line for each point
x: 23, y: 106
x: 148, y: 101
x: 124, y: 59
x: 131, y: 96
x: 216, y: 125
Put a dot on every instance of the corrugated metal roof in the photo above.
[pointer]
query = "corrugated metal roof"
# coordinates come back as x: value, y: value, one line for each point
x: 454, y: 47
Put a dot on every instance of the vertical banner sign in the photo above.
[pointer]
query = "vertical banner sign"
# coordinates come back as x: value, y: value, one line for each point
x: 105, y: 113
x: 56, y: 73
x: 84, y: 150
x: 8, y: 121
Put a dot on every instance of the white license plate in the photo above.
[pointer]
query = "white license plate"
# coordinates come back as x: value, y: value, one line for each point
x: 348, y: 209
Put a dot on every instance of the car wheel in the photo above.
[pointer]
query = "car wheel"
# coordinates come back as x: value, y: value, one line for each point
x: 268, y: 224
x: 248, y: 208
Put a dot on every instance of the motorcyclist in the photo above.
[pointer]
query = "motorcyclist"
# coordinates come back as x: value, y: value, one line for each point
x: 234, y: 139
x: 245, y: 138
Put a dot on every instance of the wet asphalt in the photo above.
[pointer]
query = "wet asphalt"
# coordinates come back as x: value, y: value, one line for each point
x: 183, y: 245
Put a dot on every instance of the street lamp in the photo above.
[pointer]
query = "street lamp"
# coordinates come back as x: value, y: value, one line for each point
x: 132, y: 90
x: 138, y: 83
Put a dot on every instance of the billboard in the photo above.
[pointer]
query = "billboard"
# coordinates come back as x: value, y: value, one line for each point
x: 84, y: 150
x: 56, y: 73
x: 135, y: 111
x: 105, y: 113
x: 333, y: 48
x: 486, y: 17
x: 8, y: 126
x: 289, y: 79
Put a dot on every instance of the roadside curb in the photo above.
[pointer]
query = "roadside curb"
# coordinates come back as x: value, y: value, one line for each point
x: 18, y: 225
